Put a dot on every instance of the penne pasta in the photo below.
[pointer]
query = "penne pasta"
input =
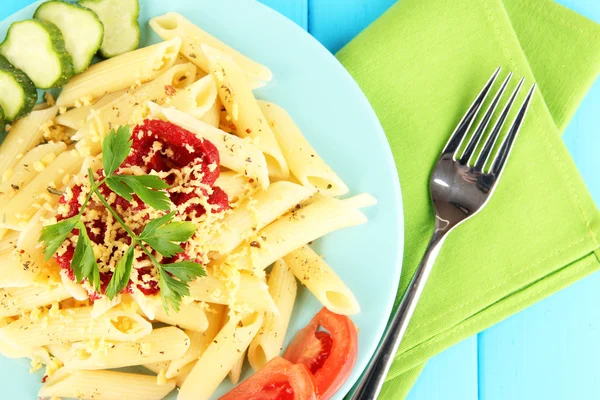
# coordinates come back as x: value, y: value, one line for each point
x: 131, y: 104
x: 256, y: 212
x: 304, y: 162
x: 75, y: 325
x: 213, y: 115
x: 190, y: 316
x: 268, y: 343
x: 161, y: 345
x: 293, y: 230
x: 235, y: 153
x: 17, y: 270
x: 173, y: 25
x: 24, y: 135
x: 245, y: 114
x: 24, y: 171
x: 236, y: 370
x: 196, y: 99
x: 19, y: 210
x: 78, y: 116
x: 234, y: 184
x: 9, y: 241
x: 16, y: 301
x: 220, y: 356
x: 120, y: 72
x: 104, y: 385
x: 252, y: 292
x: 318, y: 277
x: 199, y: 342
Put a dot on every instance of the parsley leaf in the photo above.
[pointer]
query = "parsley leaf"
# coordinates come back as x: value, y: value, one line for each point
x: 161, y: 234
x: 121, y: 275
x: 171, y: 290
x: 115, y: 149
x: 186, y: 271
x: 84, y: 263
x: 54, y: 235
x: 146, y: 187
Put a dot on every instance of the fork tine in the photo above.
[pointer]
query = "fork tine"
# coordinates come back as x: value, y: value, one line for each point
x: 509, y: 140
x: 474, y: 142
x: 467, y: 120
x: 491, y: 141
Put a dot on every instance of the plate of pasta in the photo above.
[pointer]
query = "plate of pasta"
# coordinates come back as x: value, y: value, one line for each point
x: 201, y: 205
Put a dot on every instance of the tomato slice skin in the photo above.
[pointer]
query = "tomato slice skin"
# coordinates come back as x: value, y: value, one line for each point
x: 279, y: 379
x: 330, y: 359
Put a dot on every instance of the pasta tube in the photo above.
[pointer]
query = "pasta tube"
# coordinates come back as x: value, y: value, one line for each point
x: 173, y: 25
x: 268, y: 343
x: 312, y: 271
x: 220, y: 356
x: 120, y: 72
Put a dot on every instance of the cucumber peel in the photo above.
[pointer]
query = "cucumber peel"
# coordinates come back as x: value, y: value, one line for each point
x: 17, y: 93
x: 121, y: 27
x: 38, y: 49
x: 81, y: 28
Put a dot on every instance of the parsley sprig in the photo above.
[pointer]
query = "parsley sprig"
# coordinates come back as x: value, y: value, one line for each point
x: 161, y: 235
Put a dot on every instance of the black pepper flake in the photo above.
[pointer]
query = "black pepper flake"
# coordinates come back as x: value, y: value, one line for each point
x: 251, y: 180
x: 183, y: 78
x: 248, y: 131
x: 248, y: 160
x: 329, y: 186
x: 14, y: 186
x: 192, y: 55
x: 55, y: 191
x: 255, y: 244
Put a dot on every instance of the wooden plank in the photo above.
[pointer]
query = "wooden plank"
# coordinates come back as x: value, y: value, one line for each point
x: 296, y: 10
x: 335, y: 22
x: 451, y: 375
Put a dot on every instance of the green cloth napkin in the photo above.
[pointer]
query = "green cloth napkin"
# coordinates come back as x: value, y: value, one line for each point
x: 421, y: 65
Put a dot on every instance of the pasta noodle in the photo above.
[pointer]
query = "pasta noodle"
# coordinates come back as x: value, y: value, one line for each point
x: 24, y: 171
x: 268, y: 343
x: 322, y: 281
x: 120, y: 72
x: 256, y: 212
x: 19, y: 210
x: 252, y: 292
x: 196, y: 99
x: 294, y: 230
x: 121, y: 110
x: 190, y: 316
x: 75, y: 325
x: 220, y: 356
x: 234, y: 184
x: 304, y: 162
x: 24, y: 135
x: 78, y: 116
x: 173, y: 25
x: 199, y: 342
x: 104, y: 385
x: 17, y: 301
x: 161, y: 345
x: 237, y: 97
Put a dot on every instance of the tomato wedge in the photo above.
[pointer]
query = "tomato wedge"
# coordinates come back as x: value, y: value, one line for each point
x: 279, y: 379
x: 329, y: 356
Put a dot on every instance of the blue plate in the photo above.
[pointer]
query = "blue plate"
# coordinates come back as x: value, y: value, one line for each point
x: 337, y: 119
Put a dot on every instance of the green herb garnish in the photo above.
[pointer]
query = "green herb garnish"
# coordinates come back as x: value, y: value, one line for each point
x: 161, y: 235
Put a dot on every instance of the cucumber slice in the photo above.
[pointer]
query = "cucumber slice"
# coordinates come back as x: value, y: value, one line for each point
x: 38, y: 48
x: 81, y: 29
x: 121, y: 27
x: 17, y: 92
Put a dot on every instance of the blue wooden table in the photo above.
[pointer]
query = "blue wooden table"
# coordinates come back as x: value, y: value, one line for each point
x: 550, y: 351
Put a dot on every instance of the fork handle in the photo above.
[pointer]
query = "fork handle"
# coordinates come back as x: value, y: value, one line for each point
x: 372, y: 380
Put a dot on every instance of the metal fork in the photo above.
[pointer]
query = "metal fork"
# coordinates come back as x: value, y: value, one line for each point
x: 459, y: 189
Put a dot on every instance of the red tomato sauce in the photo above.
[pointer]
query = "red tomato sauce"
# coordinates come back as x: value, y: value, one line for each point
x: 180, y: 149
